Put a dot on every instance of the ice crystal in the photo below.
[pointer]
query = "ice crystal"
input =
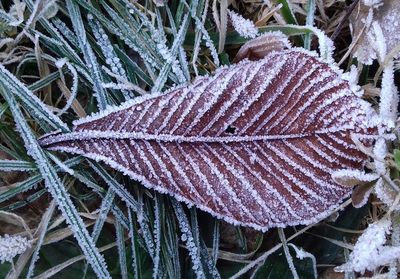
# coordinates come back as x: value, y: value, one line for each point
x: 388, y: 97
x: 370, y: 250
x: 380, y: 152
x: 11, y: 246
x: 65, y: 31
x: 244, y: 27
x: 301, y: 254
x: 194, y: 251
x: 111, y: 57
x: 74, y: 89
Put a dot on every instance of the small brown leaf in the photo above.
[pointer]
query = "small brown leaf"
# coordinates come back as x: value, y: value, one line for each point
x: 255, y: 144
x: 360, y: 194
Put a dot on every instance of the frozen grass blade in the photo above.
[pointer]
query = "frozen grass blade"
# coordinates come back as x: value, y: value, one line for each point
x: 16, y: 165
x: 266, y: 254
x: 171, y: 62
x: 74, y: 88
x: 58, y: 268
x: 170, y: 247
x: 190, y: 240
x: 287, y: 12
x: 207, y: 263
x: 215, y: 247
x: 157, y: 235
x: 301, y: 254
x: 206, y: 37
x: 63, y: 48
x: 289, y: 258
x: 223, y: 19
x: 28, y: 200
x: 42, y: 229
x: 66, y: 32
x: 310, y: 22
x: 89, y: 56
x: 31, y: 182
x: 57, y: 189
x: 145, y: 229
x: 111, y: 57
x: 32, y: 103
x: 3, y: 109
x: 182, y: 55
x: 121, y: 250
x: 117, y: 187
x: 138, y: 41
x: 105, y: 207
x: 133, y: 67
x: 135, y: 255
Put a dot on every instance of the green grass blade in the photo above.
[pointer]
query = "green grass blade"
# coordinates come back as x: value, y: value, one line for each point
x: 135, y: 255
x: 121, y: 250
x: 287, y: 12
x: 310, y: 22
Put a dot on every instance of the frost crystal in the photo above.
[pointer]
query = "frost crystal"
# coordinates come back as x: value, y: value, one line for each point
x: 380, y: 151
x: 112, y: 59
x: 188, y: 237
x: 244, y: 27
x: 389, y: 97
x: 370, y: 251
x: 11, y: 246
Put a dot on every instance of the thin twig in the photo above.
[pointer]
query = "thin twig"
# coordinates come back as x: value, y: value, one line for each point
x: 344, y: 19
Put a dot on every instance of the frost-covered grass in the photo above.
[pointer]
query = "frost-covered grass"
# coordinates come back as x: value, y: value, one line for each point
x: 62, y: 60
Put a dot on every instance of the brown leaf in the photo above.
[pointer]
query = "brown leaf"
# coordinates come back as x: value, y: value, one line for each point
x: 360, y: 194
x: 255, y: 144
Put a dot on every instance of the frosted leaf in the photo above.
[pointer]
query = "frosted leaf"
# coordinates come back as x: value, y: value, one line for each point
x: 258, y: 48
x: 11, y: 246
x: 370, y: 252
x: 244, y: 27
x: 382, y: 36
x: 255, y: 144
x: 385, y: 193
x: 360, y: 194
x: 351, y: 178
